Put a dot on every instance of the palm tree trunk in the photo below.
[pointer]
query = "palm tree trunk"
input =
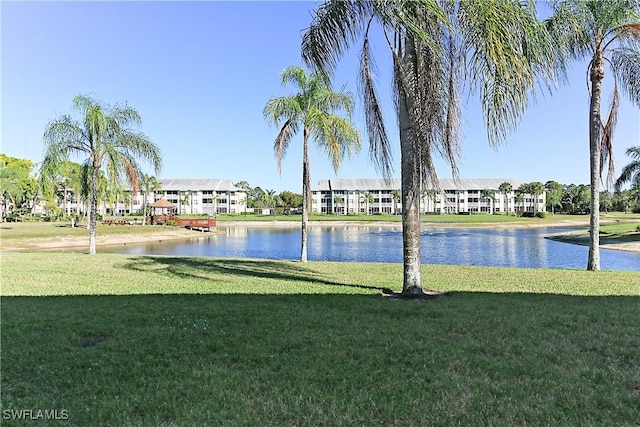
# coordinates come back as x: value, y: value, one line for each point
x: 93, y: 210
x: 410, y: 172
x: 597, y: 75
x: 306, y: 194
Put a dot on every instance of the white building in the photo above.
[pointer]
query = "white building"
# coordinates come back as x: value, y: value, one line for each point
x: 372, y: 196
x: 191, y: 196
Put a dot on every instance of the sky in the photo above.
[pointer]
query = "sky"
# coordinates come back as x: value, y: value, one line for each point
x: 200, y: 73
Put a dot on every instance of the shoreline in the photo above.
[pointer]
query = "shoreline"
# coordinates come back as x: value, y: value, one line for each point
x: 170, y: 234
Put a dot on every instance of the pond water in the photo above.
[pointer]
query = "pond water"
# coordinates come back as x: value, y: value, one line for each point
x: 366, y: 243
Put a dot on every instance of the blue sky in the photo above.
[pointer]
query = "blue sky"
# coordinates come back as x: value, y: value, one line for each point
x: 200, y: 73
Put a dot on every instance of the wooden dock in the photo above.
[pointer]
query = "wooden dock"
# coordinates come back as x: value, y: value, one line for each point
x: 201, y: 224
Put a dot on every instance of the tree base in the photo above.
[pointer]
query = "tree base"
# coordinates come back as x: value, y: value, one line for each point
x: 421, y: 296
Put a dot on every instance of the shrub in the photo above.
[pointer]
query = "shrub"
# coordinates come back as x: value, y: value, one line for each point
x: 541, y: 214
x: 528, y: 214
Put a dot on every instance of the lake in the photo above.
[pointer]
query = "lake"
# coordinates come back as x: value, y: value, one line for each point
x: 499, y: 247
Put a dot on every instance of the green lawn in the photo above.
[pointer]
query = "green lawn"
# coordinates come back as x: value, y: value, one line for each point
x: 177, y: 341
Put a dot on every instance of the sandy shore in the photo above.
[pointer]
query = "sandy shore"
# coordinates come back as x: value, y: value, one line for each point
x: 104, y: 239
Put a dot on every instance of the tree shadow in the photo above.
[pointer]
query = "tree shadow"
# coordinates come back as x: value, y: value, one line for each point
x: 198, y: 268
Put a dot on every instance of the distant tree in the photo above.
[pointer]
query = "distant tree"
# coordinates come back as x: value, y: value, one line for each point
x: 368, y: 199
x: 184, y: 201
x: 17, y: 185
x: 104, y: 136
x: 604, y: 33
x: 506, y: 188
x: 554, y: 195
x: 490, y: 195
x: 606, y: 201
x: 291, y: 200
x: 396, y: 195
x: 536, y: 189
x: 148, y: 184
x: 430, y: 194
x: 270, y: 200
x: 338, y: 201
x: 312, y: 109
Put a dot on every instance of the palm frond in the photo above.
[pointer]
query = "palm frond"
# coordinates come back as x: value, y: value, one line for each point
x: 282, y: 108
x: 626, y: 65
x: 294, y: 75
x: 379, y: 145
x: 335, y: 26
x: 510, y: 54
x: 281, y: 143
x: 631, y: 172
x: 606, y: 144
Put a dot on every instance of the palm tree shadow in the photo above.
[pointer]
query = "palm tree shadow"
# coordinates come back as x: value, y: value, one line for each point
x: 204, y: 269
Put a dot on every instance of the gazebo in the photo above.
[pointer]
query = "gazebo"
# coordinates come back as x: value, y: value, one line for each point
x: 162, y: 208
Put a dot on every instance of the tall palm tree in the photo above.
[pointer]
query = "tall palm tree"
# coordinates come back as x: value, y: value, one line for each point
x: 502, y: 46
x: 607, y: 33
x: 396, y: 195
x: 368, y: 199
x: 148, y: 184
x: 631, y: 172
x: 312, y: 108
x: 104, y: 137
x: 338, y: 202
x: 506, y: 188
x: 490, y: 195
x: 536, y: 189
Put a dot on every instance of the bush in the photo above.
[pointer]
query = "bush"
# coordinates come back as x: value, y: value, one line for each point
x: 541, y: 214
x: 528, y: 214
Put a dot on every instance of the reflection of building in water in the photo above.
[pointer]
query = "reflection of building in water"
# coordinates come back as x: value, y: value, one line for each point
x: 372, y: 196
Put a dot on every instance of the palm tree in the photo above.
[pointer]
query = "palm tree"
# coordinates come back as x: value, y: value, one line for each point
x: 368, y: 199
x: 148, y: 184
x: 396, y: 195
x: 554, y: 195
x: 604, y: 32
x: 104, y: 137
x: 631, y: 172
x: 535, y: 189
x: 312, y: 109
x: 338, y: 201
x: 506, y: 188
x: 432, y: 43
x: 490, y: 195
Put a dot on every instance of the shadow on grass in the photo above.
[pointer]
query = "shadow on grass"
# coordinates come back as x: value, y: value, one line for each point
x: 197, y: 268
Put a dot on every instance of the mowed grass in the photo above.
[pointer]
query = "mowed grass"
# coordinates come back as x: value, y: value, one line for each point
x: 177, y: 341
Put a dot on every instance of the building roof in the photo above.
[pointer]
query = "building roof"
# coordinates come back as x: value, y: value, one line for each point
x: 394, y: 184
x: 197, y: 185
x: 163, y: 203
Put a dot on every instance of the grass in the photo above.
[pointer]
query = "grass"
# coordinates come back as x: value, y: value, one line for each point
x: 26, y: 230
x: 175, y: 341
x: 623, y: 232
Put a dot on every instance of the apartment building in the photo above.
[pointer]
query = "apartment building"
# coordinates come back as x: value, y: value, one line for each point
x: 190, y: 196
x: 372, y: 196
x: 202, y: 196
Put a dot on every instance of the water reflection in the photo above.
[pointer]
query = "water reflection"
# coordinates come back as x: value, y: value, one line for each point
x: 463, y: 246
